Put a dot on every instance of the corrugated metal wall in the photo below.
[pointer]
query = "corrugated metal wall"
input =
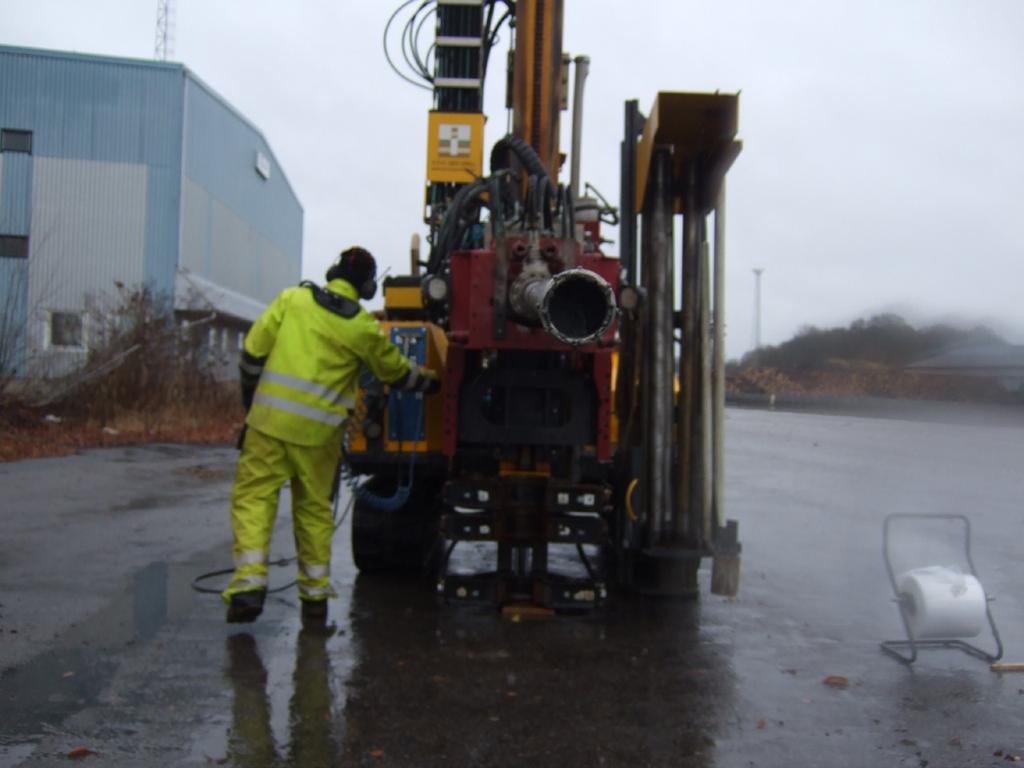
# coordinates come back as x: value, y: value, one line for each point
x: 88, y: 231
x: 128, y: 157
x: 99, y: 194
x: 15, y: 217
x: 238, y: 229
x: 15, y: 194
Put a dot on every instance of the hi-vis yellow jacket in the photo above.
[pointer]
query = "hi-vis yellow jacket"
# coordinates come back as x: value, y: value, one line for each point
x: 306, y: 359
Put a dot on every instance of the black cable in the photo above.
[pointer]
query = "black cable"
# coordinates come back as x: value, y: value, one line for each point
x: 492, y: 38
x: 415, y: 45
x: 387, y: 55
x: 485, y: 48
x: 409, y: 43
x: 414, y: 30
x: 613, y: 214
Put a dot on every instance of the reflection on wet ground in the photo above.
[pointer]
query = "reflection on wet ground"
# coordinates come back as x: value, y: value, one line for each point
x: 641, y: 684
x: 159, y: 679
x: 63, y: 680
x: 311, y: 740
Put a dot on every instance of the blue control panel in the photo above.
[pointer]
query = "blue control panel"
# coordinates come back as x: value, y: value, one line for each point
x: 407, y: 410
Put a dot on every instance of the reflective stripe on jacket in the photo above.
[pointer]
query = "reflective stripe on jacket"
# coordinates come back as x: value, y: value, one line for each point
x: 308, y: 359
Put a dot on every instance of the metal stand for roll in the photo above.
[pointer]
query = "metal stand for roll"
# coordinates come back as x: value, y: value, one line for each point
x: 894, y: 647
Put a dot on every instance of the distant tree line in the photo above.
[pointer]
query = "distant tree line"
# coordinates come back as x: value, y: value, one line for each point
x: 885, y: 339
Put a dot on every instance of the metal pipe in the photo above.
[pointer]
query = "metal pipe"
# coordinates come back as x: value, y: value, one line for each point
x: 718, y: 431
x: 757, y: 308
x: 688, y: 403
x: 658, y: 279
x: 576, y: 306
x: 705, y: 470
x: 627, y: 191
x: 582, y: 68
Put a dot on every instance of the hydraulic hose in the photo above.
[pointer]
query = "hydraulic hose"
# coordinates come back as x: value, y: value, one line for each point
x: 526, y: 155
x: 401, y: 494
x: 452, y: 227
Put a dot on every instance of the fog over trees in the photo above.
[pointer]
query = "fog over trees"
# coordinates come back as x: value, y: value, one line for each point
x: 885, y: 339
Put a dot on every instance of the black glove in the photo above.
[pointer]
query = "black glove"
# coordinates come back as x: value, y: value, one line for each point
x: 430, y: 383
x: 248, y: 392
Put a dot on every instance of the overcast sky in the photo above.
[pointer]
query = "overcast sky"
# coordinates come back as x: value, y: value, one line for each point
x: 883, y: 162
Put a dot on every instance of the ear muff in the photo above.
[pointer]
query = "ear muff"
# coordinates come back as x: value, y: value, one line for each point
x: 368, y: 289
x: 357, y: 266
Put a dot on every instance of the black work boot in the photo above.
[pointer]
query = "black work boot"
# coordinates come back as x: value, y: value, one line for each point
x: 314, y: 614
x: 246, y: 606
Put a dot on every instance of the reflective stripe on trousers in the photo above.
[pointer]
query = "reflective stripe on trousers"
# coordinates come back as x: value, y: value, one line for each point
x: 265, y: 464
x: 314, y: 572
x: 250, y: 557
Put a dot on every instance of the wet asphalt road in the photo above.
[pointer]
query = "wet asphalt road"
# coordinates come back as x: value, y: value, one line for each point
x: 104, y: 646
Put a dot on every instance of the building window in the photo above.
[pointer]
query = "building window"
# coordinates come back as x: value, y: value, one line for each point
x: 66, y: 330
x: 262, y: 165
x: 13, y: 247
x: 15, y: 141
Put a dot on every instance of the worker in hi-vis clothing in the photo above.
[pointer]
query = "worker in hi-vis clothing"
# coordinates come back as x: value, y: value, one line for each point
x: 299, y: 374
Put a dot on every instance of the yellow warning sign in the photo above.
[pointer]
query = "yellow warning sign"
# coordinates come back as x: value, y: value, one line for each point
x: 455, y: 146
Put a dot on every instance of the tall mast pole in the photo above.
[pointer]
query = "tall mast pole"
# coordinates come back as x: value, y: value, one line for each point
x: 163, y: 47
x: 757, y: 307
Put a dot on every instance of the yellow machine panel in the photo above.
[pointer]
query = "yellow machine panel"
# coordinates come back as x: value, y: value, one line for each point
x: 455, y: 147
x: 402, y: 297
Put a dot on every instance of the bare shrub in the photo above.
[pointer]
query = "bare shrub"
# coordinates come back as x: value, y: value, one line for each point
x: 143, y: 370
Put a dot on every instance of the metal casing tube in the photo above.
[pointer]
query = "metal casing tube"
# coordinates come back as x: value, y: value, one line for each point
x: 718, y: 324
x: 576, y: 306
x: 582, y: 68
x: 689, y: 456
x: 660, y: 374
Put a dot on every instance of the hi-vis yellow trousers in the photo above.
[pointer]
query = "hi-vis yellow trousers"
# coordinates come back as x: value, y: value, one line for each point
x: 265, y: 464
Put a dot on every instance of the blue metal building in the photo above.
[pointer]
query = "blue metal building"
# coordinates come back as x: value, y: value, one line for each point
x: 132, y: 172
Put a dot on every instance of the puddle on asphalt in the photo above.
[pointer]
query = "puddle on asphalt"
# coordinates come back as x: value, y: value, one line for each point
x: 437, y: 685
x: 39, y: 695
x: 431, y: 684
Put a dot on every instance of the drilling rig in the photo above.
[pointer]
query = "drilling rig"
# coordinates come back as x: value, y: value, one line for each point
x: 583, y: 394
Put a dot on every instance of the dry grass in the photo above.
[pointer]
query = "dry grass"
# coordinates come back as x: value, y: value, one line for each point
x: 35, y: 438
x: 146, y: 380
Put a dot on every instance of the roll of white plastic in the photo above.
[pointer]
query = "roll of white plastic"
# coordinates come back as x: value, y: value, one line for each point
x: 942, y: 603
